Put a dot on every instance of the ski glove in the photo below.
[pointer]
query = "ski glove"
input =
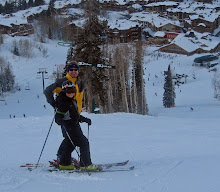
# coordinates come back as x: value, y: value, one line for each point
x: 88, y: 121
x: 84, y: 119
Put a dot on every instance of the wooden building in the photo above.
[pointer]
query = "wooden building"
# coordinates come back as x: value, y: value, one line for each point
x: 190, y: 44
x: 17, y: 30
x: 124, y: 36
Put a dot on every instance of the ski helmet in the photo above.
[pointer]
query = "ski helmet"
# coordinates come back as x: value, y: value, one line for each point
x: 68, y: 87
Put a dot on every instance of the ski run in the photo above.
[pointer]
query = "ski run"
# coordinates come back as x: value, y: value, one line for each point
x: 173, y: 150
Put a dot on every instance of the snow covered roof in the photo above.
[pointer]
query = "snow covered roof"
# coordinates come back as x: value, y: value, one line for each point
x: 119, y: 2
x: 153, y: 18
x: 57, y: 4
x: 205, y: 11
x: 148, y: 30
x: 79, y: 22
x: 159, y: 34
x: 20, y: 17
x: 137, y: 6
x: 167, y: 3
x: 122, y: 24
x: 204, y: 41
x: 216, y: 31
x: 73, y: 11
x: 63, y: 3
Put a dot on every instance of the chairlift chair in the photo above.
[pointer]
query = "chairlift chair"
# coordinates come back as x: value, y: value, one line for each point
x: 38, y: 76
x: 27, y: 87
x: 46, y: 76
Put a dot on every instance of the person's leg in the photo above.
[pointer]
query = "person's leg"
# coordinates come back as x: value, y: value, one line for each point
x: 82, y: 142
x: 65, y: 149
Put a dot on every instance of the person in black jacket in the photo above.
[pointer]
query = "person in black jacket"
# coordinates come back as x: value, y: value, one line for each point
x: 68, y: 117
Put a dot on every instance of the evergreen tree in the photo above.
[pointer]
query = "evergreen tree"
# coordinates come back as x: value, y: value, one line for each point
x: 216, y: 85
x: 9, y: 79
x: 6, y: 76
x: 70, y: 54
x: 1, y: 8
x: 1, y: 39
x: 39, y: 2
x: 22, y: 4
x: 30, y: 3
x: 169, y: 90
x: 15, y: 51
x: 49, y: 34
x: 51, y: 9
x: 88, y: 50
x: 9, y: 7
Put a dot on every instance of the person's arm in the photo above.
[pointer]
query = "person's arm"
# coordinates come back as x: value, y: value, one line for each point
x: 61, y: 113
x: 85, y: 120
x: 49, y: 92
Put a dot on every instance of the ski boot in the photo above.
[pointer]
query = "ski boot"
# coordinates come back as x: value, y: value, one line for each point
x: 67, y: 167
x: 91, y: 167
x: 75, y: 162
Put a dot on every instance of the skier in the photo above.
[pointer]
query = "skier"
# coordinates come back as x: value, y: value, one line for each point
x: 68, y: 117
x: 72, y: 75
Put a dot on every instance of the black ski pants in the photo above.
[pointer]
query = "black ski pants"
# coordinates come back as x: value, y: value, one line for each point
x: 79, y: 140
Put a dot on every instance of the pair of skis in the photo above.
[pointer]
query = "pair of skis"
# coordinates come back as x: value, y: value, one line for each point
x: 108, y: 167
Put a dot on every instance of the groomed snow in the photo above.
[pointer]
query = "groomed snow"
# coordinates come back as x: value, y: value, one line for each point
x: 175, y: 150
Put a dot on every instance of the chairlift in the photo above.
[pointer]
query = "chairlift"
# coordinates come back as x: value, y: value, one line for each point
x: 27, y: 87
x: 38, y: 76
x: 46, y: 76
x: 54, y: 73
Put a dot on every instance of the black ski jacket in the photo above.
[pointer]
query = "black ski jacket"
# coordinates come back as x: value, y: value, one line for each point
x: 67, y: 113
x: 56, y: 88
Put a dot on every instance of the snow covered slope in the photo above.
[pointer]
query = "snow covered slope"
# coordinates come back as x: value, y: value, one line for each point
x: 173, y: 149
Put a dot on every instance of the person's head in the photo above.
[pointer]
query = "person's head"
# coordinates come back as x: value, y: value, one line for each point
x: 69, y: 88
x: 73, y: 69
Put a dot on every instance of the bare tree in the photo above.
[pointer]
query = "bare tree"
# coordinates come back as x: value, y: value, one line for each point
x: 23, y: 48
x: 123, y: 95
x: 121, y: 79
x: 49, y: 27
x: 26, y: 48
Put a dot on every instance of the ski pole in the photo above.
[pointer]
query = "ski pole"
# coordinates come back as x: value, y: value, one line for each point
x: 45, y: 140
x: 88, y: 131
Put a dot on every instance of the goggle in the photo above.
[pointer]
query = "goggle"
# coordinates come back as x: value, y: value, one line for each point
x: 74, y: 69
x: 70, y: 90
x: 68, y: 85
